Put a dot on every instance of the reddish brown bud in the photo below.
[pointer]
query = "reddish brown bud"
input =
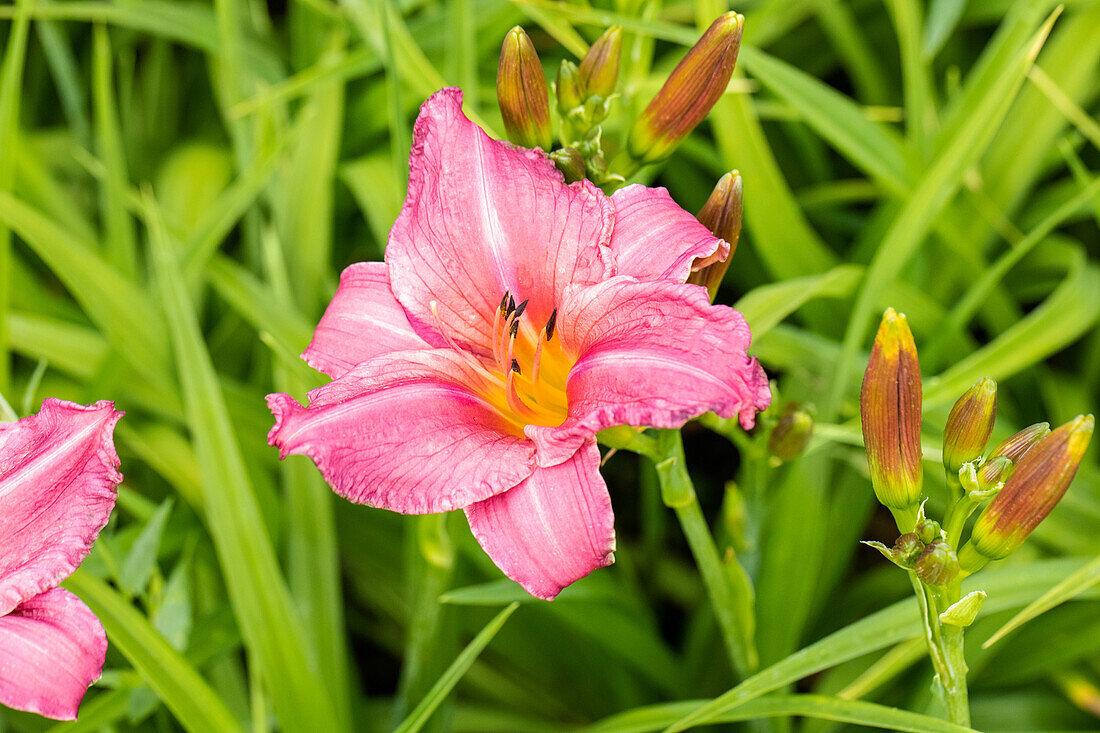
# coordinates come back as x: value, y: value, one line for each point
x: 522, y: 93
x: 1037, y: 484
x: 938, y: 564
x: 690, y: 91
x: 599, y: 70
x: 721, y: 214
x: 1022, y: 442
x: 969, y: 425
x: 890, y: 407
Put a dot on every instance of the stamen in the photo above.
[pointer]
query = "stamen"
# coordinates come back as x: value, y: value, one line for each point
x: 514, y: 328
x: 466, y: 356
x: 519, y: 309
x: 538, y: 357
x: 504, y: 303
x: 511, y: 305
x: 515, y: 366
x: 549, y: 330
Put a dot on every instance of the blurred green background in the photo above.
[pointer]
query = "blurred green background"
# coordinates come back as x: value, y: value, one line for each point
x: 181, y: 184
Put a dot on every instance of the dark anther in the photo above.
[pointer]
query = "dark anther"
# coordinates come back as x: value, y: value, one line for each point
x: 511, y: 306
x: 520, y: 308
x: 504, y: 304
x: 513, y: 329
x: 515, y: 366
x: 550, y: 324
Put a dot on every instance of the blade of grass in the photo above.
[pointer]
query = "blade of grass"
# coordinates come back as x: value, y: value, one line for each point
x: 1070, y: 588
x: 164, y: 669
x: 120, y: 245
x: 1008, y: 587
x: 11, y: 85
x: 268, y: 619
x: 822, y: 707
x: 992, y: 98
x: 442, y: 688
x: 766, y: 306
x: 70, y: 85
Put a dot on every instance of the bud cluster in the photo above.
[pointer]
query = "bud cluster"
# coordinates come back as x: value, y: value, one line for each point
x: 1022, y: 479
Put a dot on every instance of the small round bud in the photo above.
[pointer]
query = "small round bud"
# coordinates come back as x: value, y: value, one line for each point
x: 792, y: 433
x: 927, y: 530
x: 908, y: 548
x: 938, y: 564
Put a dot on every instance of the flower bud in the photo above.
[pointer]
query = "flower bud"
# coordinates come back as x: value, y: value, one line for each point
x: 907, y: 549
x: 995, y: 470
x: 938, y: 564
x: 1037, y: 484
x: 969, y: 425
x: 792, y: 433
x: 570, y: 162
x: 522, y: 94
x: 721, y: 214
x: 689, y: 92
x: 890, y: 407
x: 599, y: 70
x: 569, y: 88
x: 1022, y: 442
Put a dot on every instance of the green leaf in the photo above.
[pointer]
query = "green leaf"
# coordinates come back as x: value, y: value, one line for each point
x: 424, y: 709
x: 136, y: 569
x: 768, y: 305
x: 1070, y: 588
x: 178, y: 684
x: 268, y: 619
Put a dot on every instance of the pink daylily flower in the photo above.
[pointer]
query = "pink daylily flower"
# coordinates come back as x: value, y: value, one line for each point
x: 514, y: 317
x: 58, y: 481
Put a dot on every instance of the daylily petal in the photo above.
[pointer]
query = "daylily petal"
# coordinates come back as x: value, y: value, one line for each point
x: 655, y: 239
x: 655, y: 354
x: 53, y: 649
x: 483, y: 218
x: 58, y: 479
x: 552, y: 529
x: 405, y: 432
x: 363, y: 320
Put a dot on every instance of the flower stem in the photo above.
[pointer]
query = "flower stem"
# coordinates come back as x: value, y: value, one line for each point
x: 678, y: 493
x: 945, y: 647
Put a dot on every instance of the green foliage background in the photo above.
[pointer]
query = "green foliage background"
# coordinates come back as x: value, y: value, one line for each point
x: 182, y: 182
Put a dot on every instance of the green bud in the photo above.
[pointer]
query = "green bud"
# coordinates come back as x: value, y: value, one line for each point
x: 890, y: 407
x: 522, y: 94
x: 599, y: 70
x: 908, y: 548
x: 569, y: 87
x: 1037, y: 484
x: 690, y: 91
x: 791, y: 434
x: 928, y: 530
x: 938, y: 564
x: 570, y: 162
x: 969, y: 425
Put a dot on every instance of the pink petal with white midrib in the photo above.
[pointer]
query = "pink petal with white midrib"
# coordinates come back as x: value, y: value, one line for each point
x: 363, y: 320
x: 58, y: 479
x: 655, y: 239
x: 483, y: 217
x: 53, y: 649
x: 552, y: 529
x: 405, y: 432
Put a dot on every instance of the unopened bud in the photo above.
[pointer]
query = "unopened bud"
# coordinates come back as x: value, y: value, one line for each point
x: 890, y: 407
x: 599, y: 70
x: 907, y: 549
x: 721, y: 214
x: 928, y: 530
x: 792, y: 433
x: 1020, y: 443
x: 938, y: 564
x: 690, y: 91
x: 994, y: 471
x: 569, y: 88
x: 1037, y: 484
x: 969, y: 425
x: 522, y: 93
x: 570, y: 162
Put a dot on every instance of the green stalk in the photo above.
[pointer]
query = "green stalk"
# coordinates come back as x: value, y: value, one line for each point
x: 945, y: 646
x: 678, y: 493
